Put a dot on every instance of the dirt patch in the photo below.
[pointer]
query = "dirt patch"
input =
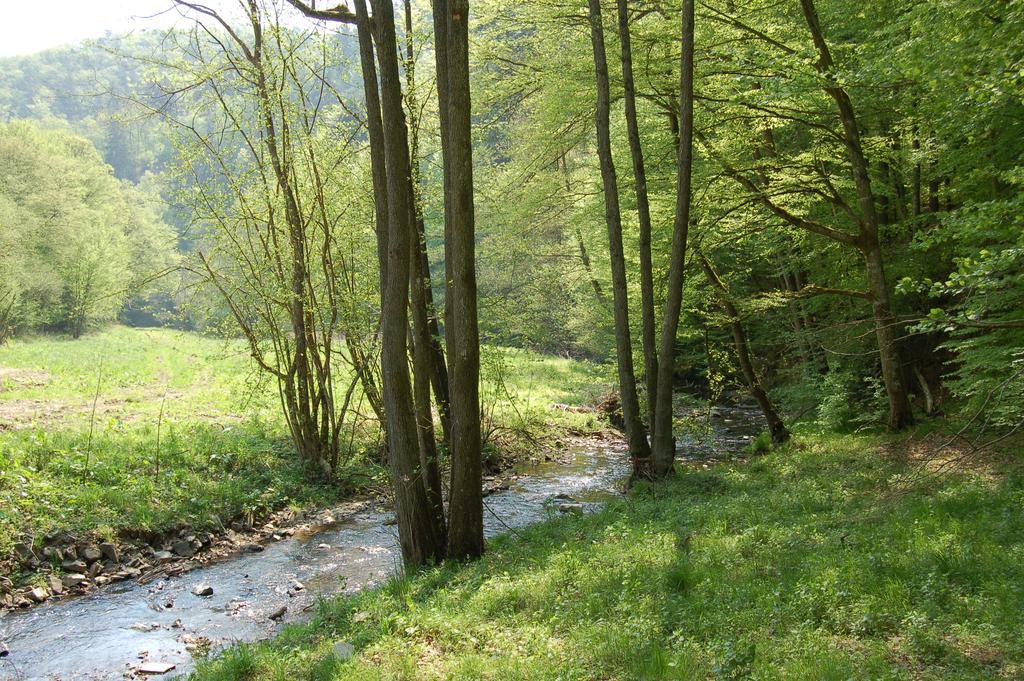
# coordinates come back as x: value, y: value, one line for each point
x: 12, y: 378
x: 48, y: 413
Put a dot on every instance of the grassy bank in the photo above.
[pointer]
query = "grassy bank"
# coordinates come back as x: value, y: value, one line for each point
x: 129, y: 429
x: 825, y: 560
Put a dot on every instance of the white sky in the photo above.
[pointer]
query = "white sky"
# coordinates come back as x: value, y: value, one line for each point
x: 28, y: 26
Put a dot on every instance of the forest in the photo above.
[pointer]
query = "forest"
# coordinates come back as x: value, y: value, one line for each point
x: 632, y: 339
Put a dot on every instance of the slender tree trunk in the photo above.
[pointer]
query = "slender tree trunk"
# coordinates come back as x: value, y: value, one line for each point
x: 419, y: 286
x: 900, y: 414
x: 643, y: 208
x: 776, y: 427
x: 417, y: 521
x: 465, y: 514
x: 639, y: 448
x: 420, y: 261
x: 582, y: 246
x: 664, y: 440
x: 916, y: 181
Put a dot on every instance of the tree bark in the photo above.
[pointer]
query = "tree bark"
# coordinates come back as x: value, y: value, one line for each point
x: 664, y: 440
x: 437, y: 366
x: 417, y: 521
x: 419, y: 285
x: 465, y: 504
x: 639, y: 448
x: 776, y: 428
x: 900, y: 414
x: 643, y: 208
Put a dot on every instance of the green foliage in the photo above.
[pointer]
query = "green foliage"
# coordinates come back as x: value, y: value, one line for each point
x: 835, y: 579
x: 81, y: 242
x: 223, y: 444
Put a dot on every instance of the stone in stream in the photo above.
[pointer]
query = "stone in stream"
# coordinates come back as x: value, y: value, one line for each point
x: 154, y: 667
x: 279, y: 613
x: 162, y: 557
x: 252, y: 547
x: 74, y: 566
x: 109, y: 552
x: 56, y: 586
x: 183, y: 548
x: 73, y: 580
x: 90, y: 553
x: 570, y: 507
x: 38, y: 594
x: 203, y: 590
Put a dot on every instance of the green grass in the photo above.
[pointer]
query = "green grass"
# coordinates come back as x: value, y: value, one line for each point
x: 223, y: 448
x: 800, y: 565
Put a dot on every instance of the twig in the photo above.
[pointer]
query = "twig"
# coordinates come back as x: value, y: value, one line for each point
x: 92, y: 418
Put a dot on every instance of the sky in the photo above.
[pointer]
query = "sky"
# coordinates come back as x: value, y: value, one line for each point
x: 32, y: 26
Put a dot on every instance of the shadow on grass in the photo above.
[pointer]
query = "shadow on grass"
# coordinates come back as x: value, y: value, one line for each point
x: 790, y: 567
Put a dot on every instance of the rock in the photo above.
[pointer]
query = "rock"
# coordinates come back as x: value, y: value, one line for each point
x: 154, y: 667
x: 53, y: 554
x: 391, y: 520
x: 74, y: 566
x: 3, y: 650
x: 90, y: 553
x: 56, y: 586
x: 183, y: 548
x: 252, y: 548
x: 109, y: 552
x: 70, y: 552
x: 102, y: 580
x: 24, y: 551
x: 570, y: 507
x: 38, y: 594
x: 162, y: 557
x: 279, y: 613
x: 143, y: 627
x: 323, y: 547
x: 562, y: 497
x: 73, y: 580
x: 343, y: 650
x: 203, y: 590
x: 95, y: 569
x: 297, y: 586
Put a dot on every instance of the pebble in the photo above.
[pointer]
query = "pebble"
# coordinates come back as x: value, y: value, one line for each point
x: 202, y: 590
x: 155, y: 667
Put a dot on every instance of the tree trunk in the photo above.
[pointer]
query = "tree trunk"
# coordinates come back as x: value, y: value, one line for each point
x: 465, y: 504
x: 435, y: 362
x: 664, y: 440
x: 419, y: 286
x: 900, y: 415
x: 776, y: 428
x: 417, y: 521
x: 639, y: 448
x: 644, y: 213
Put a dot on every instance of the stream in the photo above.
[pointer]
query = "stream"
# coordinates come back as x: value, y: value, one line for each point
x: 109, y: 633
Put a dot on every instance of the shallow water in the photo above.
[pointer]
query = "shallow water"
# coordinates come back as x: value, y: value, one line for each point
x: 98, y: 636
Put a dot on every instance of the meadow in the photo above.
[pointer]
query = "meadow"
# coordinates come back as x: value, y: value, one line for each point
x: 831, y: 558
x: 146, y: 429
